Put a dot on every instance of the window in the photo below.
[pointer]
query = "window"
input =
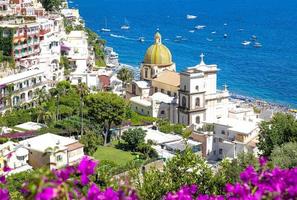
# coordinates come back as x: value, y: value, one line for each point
x: 146, y: 73
x: 141, y: 110
x: 220, y: 151
x: 162, y: 90
x: 219, y: 100
x: 175, y: 94
x: 223, y: 132
x: 184, y: 101
x: 214, y: 140
x: 197, y: 87
x: 198, y: 120
x: 156, y: 89
x: 185, y: 87
x: 59, y: 158
x: 197, y: 102
x: 136, y: 108
x: 214, y: 152
x: 162, y: 112
x: 168, y: 93
x: 134, y: 88
x: 220, y: 140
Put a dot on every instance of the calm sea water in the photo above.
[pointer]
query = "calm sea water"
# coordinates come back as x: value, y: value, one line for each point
x: 267, y: 73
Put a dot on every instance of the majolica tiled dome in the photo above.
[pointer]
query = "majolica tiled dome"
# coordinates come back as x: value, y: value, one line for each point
x: 158, y: 54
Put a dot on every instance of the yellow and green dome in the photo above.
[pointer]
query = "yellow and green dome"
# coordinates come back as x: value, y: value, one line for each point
x: 158, y: 54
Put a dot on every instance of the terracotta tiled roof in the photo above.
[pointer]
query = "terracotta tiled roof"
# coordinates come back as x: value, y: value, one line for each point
x: 169, y: 77
x: 104, y: 80
x: 74, y: 146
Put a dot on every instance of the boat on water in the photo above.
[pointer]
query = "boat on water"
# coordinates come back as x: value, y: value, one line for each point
x: 254, y: 37
x: 141, y: 39
x: 105, y: 29
x: 200, y: 27
x: 225, y: 35
x: 209, y: 39
x: 257, y: 45
x: 125, y: 26
x: 225, y: 24
x: 191, y: 31
x: 214, y: 32
x: 191, y: 17
x: 246, y: 43
x: 178, y: 38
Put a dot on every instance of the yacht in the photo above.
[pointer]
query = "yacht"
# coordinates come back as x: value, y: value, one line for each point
x: 246, y: 43
x: 257, y: 45
x: 105, y: 29
x: 225, y: 35
x: 191, y: 17
x: 199, y: 27
x: 141, y: 39
x: 125, y: 26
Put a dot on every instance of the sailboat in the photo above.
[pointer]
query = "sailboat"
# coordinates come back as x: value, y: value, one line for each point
x: 125, y: 26
x: 105, y: 29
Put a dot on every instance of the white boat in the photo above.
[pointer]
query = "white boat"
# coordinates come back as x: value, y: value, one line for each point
x: 191, y: 17
x: 257, y: 45
x: 254, y: 37
x: 209, y: 39
x: 178, y: 38
x: 246, y: 43
x: 191, y: 31
x: 105, y: 29
x: 225, y: 35
x: 200, y: 27
x: 141, y: 39
x: 225, y: 24
x: 214, y: 32
x: 125, y: 26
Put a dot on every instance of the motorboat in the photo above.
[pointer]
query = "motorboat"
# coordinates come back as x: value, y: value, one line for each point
x: 246, y: 43
x: 200, y: 27
x: 191, y: 31
x: 209, y: 39
x: 214, y: 32
x: 141, y: 39
x: 191, y: 17
x: 225, y: 35
x: 257, y: 45
x: 254, y: 37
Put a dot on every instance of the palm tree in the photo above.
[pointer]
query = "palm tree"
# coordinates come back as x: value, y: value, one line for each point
x: 41, y: 95
x: 126, y: 76
x: 51, y: 151
x: 83, y: 91
x: 8, y: 97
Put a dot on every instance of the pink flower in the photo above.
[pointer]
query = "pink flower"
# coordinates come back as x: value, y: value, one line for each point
x: 47, y: 194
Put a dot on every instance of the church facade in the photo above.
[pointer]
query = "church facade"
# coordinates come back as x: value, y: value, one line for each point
x: 194, y: 94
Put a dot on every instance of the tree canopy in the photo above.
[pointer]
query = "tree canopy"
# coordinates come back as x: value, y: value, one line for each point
x: 285, y: 156
x: 134, y: 137
x: 282, y: 128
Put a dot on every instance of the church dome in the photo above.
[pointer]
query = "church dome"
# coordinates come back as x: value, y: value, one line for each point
x: 158, y: 54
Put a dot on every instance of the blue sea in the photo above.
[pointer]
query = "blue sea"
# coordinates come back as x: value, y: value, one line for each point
x: 267, y: 73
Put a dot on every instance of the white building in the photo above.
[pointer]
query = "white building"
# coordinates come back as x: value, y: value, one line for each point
x: 15, y: 157
x: 199, y: 99
x: 53, y: 151
x: 158, y: 105
x: 167, y: 145
x: 24, y: 85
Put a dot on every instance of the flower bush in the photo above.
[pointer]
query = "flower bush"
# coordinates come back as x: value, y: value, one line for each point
x: 76, y: 183
x: 262, y: 184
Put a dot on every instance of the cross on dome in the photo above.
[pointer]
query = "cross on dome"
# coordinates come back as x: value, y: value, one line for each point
x: 202, y: 59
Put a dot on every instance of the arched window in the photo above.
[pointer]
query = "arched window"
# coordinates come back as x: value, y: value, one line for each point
x: 162, y: 112
x: 197, y: 120
x: 146, y: 73
x: 197, y: 87
x: 197, y: 102
x: 184, y: 101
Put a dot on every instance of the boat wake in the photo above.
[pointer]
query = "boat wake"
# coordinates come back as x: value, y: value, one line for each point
x: 122, y: 37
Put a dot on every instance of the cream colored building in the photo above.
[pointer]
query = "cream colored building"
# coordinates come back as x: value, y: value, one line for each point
x: 199, y: 99
x: 167, y: 82
x: 53, y: 151
x: 158, y: 105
